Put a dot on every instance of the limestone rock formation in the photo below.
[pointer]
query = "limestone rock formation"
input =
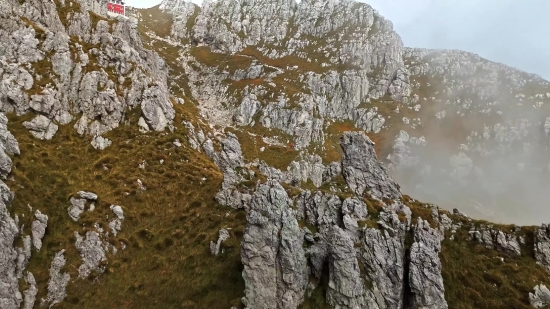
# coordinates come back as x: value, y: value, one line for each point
x: 39, y: 229
x: 362, y: 169
x: 92, y: 251
x: 295, y: 102
x: 29, y: 295
x: 223, y: 235
x: 275, y: 266
x: 425, y: 278
x: 541, y: 297
x: 542, y: 246
x: 354, y: 255
x: 59, y: 80
x: 57, y: 284
x: 10, y: 297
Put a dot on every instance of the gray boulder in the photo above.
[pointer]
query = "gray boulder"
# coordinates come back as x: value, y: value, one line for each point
x: 41, y: 127
x: 87, y: 195
x: 541, y: 296
x: 100, y: 142
x: 76, y: 208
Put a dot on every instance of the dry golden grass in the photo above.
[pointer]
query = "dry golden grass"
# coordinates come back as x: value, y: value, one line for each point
x: 276, y: 156
x: 231, y: 63
x: 167, y: 228
x: 475, y: 277
x: 67, y: 10
x: 283, y: 62
x: 332, y: 149
x: 156, y: 21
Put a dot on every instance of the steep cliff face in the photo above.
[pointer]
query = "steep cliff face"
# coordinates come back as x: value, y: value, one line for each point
x: 227, y: 155
x: 447, y: 123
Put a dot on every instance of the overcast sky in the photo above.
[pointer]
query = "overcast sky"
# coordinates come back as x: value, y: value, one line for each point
x: 513, y: 32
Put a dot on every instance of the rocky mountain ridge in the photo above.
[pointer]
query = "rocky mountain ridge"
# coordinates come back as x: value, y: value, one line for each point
x: 185, y: 120
x: 422, y: 101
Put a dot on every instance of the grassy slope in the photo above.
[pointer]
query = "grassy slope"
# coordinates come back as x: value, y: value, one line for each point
x: 167, y: 228
x: 474, y: 277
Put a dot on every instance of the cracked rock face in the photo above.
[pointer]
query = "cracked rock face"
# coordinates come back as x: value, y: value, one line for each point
x: 345, y: 285
x: 542, y: 246
x: 362, y: 170
x: 275, y: 267
x: 425, y: 278
x: 10, y: 297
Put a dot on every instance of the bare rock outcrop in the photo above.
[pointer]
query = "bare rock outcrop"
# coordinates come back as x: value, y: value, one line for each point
x: 542, y: 246
x: 41, y: 127
x: 92, y: 251
x: 425, y: 279
x: 58, y: 282
x: 367, y: 266
x: 29, y: 295
x: 362, y: 170
x: 275, y: 266
x: 541, y: 296
x: 10, y: 297
x: 39, y: 229
x: 215, y: 247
